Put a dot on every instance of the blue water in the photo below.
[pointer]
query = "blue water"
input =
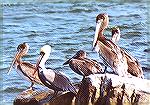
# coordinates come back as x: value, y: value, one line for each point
x: 67, y: 27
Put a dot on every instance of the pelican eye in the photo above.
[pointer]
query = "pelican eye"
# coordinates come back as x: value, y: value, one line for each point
x: 21, y: 47
x: 117, y: 31
x: 103, y: 17
x: 42, y: 53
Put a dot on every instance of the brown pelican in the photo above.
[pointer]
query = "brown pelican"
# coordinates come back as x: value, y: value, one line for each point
x: 25, y: 69
x: 50, y: 78
x: 109, y: 51
x: 134, y: 67
x: 80, y: 64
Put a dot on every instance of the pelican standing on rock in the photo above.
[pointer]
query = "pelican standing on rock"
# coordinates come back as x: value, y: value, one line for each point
x: 25, y: 69
x: 109, y: 51
x: 134, y: 67
x: 80, y: 64
x: 50, y: 78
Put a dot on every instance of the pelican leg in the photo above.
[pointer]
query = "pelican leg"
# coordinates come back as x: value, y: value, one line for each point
x: 55, y: 94
x: 31, y: 87
x: 83, y: 78
x: 105, y: 69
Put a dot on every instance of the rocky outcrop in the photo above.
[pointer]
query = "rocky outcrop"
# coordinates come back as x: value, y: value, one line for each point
x: 99, y: 89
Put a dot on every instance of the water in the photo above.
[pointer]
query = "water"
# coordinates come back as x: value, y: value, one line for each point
x: 67, y: 27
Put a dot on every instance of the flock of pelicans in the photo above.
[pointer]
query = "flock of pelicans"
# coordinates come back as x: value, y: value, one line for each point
x: 121, y: 62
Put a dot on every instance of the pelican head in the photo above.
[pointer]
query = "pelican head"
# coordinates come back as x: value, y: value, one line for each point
x: 22, y: 50
x: 102, y: 21
x: 46, y: 49
x: 79, y: 54
x: 44, y: 55
x: 115, y: 34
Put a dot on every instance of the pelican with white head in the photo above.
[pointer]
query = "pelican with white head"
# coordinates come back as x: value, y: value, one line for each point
x: 51, y: 78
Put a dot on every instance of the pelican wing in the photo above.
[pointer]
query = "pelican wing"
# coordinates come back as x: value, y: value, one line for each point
x: 110, y: 44
x: 80, y: 67
x: 114, y: 57
x: 107, y: 53
x: 131, y: 58
x: 28, y: 69
x: 134, y: 67
x: 58, y: 81
x: 95, y: 65
x: 84, y: 66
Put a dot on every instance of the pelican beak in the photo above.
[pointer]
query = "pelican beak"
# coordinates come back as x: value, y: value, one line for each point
x: 67, y: 62
x: 98, y: 26
x: 38, y: 61
x: 13, y: 62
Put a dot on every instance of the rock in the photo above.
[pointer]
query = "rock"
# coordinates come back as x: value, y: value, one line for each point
x: 118, y: 90
x: 84, y: 95
x: 98, y: 89
x: 43, y: 97
x: 62, y: 99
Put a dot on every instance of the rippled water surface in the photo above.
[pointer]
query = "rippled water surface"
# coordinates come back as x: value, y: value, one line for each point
x: 67, y: 27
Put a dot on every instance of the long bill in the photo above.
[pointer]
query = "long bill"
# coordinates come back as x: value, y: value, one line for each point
x: 98, y: 26
x: 67, y: 62
x: 38, y: 62
x: 13, y: 62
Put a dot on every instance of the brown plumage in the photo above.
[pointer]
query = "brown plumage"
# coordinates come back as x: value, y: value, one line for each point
x: 134, y: 67
x: 109, y: 51
x: 25, y: 69
x: 80, y: 64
